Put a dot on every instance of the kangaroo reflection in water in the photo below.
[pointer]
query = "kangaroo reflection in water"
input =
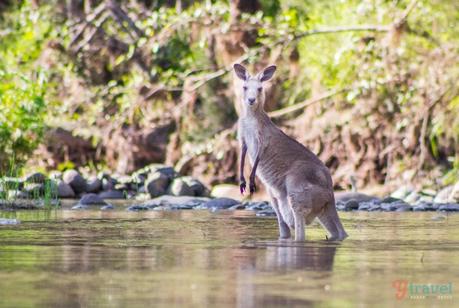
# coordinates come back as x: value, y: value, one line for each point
x: 301, y: 257
x: 299, y: 265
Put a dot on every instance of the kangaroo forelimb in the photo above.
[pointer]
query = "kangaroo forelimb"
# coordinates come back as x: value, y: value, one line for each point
x: 252, y: 186
x: 242, y: 184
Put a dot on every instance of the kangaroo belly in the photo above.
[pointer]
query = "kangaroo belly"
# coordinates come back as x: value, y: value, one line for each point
x: 272, y: 171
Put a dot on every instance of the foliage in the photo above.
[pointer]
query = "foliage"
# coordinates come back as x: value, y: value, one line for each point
x: 161, y: 64
x: 22, y: 86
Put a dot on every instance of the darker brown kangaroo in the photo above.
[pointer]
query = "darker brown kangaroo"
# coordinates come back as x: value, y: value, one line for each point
x: 299, y: 184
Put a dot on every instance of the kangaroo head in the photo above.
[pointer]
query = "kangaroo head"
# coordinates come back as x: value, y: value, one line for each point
x: 252, y: 88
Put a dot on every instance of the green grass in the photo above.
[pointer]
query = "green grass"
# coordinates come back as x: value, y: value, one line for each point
x: 44, y: 196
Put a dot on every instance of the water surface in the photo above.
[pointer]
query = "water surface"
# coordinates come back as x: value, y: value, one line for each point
x: 64, y: 258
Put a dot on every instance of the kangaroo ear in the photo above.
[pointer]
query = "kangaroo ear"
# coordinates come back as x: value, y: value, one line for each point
x: 241, y: 71
x: 267, y: 73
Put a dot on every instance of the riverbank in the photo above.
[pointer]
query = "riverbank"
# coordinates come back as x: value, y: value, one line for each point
x: 160, y: 187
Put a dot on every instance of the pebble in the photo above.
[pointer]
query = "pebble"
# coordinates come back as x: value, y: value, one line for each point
x: 266, y: 213
x: 220, y: 204
x: 8, y: 221
x: 112, y: 194
x: 258, y: 206
x: 449, y: 207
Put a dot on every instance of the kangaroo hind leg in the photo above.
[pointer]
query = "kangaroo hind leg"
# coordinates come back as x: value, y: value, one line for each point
x: 301, y: 206
x: 284, y: 230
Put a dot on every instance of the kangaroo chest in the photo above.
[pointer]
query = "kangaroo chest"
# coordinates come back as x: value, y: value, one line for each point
x: 252, y: 134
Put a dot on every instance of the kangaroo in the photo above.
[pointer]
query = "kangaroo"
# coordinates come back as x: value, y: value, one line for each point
x: 298, y: 183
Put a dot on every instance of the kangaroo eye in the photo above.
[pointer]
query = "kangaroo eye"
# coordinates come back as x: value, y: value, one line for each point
x: 245, y: 88
x: 259, y: 89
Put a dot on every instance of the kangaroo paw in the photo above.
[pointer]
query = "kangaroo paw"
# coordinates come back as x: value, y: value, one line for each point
x: 242, y: 187
x: 252, y: 187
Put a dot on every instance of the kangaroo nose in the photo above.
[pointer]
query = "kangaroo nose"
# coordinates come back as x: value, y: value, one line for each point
x: 251, y: 101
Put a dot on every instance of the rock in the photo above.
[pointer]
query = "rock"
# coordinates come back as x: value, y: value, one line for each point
x: 390, y: 200
x: 64, y: 190
x: 444, y: 195
x: 124, y: 183
x: 55, y: 175
x: 453, y: 207
x: 423, y: 198
x: 91, y: 199
x: 75, y: 180
x: 349, y: 205
x: 428, y: 192
x: 17, y: 194
x: 138, y: 207
x: 138, y: 179
x: 340, y: 206
x: 163, y: 169
x: 153, y: 168
x: 28, y: 203
x: 196, y: 186
x: 36, y: 177
x: 393, y: 206
x: 112, y: 194
x: 266, y: 213
x: 122, y: 187
x: 108, y: 183
x: 368, y: 205
x: 107, y: 207
x: 7, y: 221
x: 34, y: 190
x: 94, y: 185
x: 404, y: 208
x: 141, y: 190
x: 173, y: 207
x: 239, y: 206
x: 49, y: 189
x: 226, y: 190
x: 219, y: 204
x: 359, y: 197
x: 402, y: 192
x: 80, y: 207
x: 413, y: 197
x: 425, y: 206
x: 180, y: 188
x: 170, y: 202
x: 257, y: 206
x: 124, y: 179
x: 11, y: 183
x: 375, y: 208
x: 455, y: 193
x: 142, y: 197
x: 156, y: 184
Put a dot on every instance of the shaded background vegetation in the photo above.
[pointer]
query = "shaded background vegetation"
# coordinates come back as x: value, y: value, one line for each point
x: 370, y: 86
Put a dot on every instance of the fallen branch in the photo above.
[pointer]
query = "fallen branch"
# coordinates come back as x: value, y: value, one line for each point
x: 121, y: 14
x: 92, y: 34
x: 304, y: 104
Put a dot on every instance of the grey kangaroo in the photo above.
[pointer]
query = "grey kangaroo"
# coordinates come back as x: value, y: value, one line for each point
x: 298, y: 183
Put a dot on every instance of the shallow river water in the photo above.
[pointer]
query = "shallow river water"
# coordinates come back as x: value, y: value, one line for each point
x: 64, y: 258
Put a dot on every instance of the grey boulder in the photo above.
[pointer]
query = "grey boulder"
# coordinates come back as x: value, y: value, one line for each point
x: 156, y: 184
x: 75, y: 180
x: 179, y: 187
x: 64, y: 190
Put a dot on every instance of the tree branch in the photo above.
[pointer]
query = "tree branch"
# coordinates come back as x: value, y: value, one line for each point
x: 89, y: 20
x: 371, y: 28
